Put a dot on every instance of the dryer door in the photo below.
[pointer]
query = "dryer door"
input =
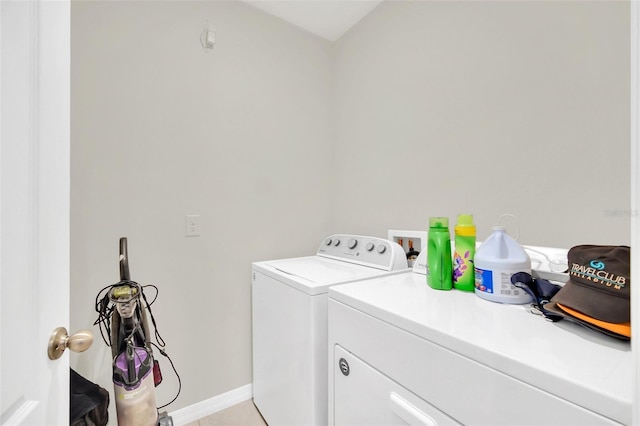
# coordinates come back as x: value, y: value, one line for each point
x: 364, y: 396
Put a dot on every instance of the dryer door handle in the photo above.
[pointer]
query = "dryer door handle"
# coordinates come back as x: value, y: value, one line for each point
x: 408, y: 412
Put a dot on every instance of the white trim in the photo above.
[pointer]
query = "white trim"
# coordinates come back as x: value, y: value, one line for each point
x: 210, y: 406
x: 635, y: 207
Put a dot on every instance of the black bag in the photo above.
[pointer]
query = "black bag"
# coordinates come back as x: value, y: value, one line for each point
x: 89, y: 403
x: 540, y: 290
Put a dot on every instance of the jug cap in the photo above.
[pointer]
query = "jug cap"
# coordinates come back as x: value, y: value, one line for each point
x: 465, y: 219
x: 438, y: 222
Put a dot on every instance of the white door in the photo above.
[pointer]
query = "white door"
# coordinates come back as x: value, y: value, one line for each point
x: 34, y: 209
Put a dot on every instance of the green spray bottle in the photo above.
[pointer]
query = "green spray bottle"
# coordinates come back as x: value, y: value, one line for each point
x: 465, y: 242
x: 439, y: 266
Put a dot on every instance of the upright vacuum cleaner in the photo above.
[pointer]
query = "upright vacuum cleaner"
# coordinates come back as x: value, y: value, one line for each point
x: 122, y: 309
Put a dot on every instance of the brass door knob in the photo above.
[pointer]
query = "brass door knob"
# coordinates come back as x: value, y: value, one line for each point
x: 60, y: 340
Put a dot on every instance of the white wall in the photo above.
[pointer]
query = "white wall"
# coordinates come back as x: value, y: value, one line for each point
x: 531, y: 100
x: 160, y: 129
x: 486, y: 108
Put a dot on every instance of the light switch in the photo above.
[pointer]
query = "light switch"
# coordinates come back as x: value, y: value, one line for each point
x: 192, y: 225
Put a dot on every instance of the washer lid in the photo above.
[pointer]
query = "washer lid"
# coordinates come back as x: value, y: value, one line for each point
x: 314, y: 274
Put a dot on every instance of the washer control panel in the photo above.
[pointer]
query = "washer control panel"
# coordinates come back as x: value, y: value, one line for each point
x: 369, y: 251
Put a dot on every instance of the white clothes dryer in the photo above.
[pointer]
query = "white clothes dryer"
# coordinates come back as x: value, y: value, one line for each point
x: 403, y: 353
x: 289, y: 307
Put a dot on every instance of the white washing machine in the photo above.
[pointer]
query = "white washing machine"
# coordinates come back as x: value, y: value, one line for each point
x: 289, y: 307
x: 402, y: 353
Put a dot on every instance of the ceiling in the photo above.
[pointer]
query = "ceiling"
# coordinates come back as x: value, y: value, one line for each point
x: 329, y: 19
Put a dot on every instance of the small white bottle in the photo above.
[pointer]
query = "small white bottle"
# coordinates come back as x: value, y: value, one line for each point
x: 496, y: 260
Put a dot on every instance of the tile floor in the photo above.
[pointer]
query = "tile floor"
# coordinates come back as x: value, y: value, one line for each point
x: 242, y: 414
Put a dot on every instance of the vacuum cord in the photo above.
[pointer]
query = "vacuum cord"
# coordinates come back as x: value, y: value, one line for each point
x: 162, y: 351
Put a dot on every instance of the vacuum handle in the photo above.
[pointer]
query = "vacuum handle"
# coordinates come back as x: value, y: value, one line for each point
x: 124, y: 260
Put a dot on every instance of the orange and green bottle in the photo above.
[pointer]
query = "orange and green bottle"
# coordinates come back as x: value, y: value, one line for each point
x: 465, y: 248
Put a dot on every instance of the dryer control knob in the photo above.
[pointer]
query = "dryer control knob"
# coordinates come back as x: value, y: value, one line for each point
x: 370, y: 246
x: 328, y: 242
x: 336, y: 243
x: 352, y: 243
x: 382, y: 248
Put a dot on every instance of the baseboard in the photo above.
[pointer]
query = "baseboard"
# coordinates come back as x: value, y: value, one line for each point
x: 210, y: 406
